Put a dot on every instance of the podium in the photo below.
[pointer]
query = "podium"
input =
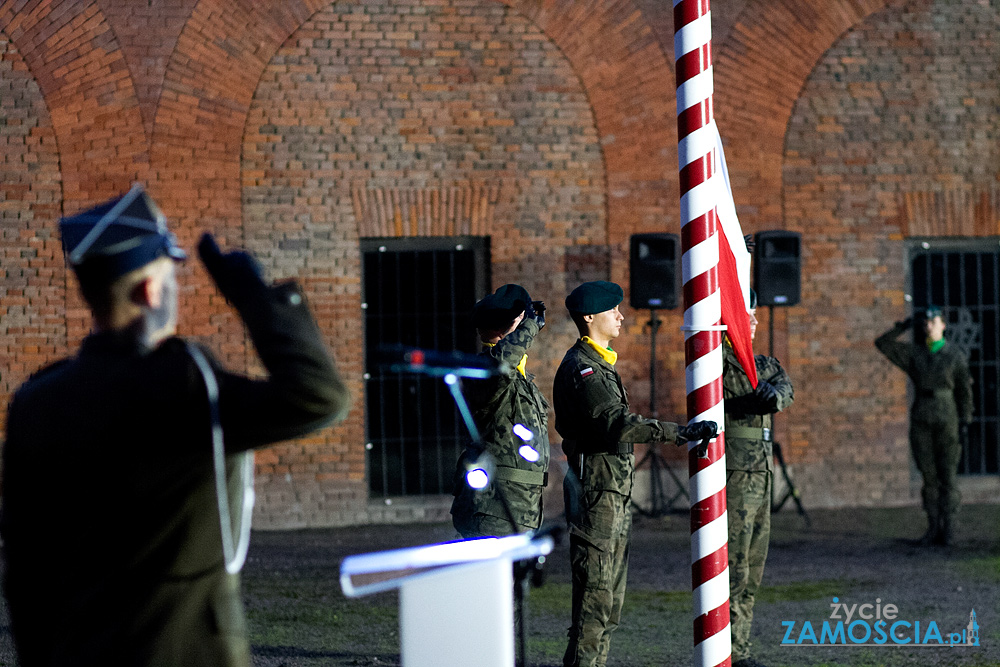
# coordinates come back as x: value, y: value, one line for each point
x: 455, y: 599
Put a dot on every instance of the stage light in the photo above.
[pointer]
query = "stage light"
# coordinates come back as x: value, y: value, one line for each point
x: 529, y: 453
x: 477, y: 478
x: 523, y: 432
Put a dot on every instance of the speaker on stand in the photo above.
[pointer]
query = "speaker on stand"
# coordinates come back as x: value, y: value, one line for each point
x: 653, y: 279
x: 777, y: 278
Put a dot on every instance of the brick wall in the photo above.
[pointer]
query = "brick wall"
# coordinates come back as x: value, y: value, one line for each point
x: 294, y: 127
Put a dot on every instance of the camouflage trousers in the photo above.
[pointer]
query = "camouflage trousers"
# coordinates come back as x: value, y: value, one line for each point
x: 937, y: 450
x: 598, y: 548
x: 748, y: 504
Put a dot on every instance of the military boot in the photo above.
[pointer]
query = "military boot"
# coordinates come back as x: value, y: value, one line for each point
x: 931, y: 537
x: 944, y: 535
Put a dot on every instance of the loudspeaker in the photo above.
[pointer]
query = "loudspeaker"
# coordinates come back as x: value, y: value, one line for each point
x: 653, y: 270
x: 777, y: 273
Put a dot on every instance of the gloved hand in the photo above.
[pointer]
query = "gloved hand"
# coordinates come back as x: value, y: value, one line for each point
x: 236, y: 273
x: 697, y: 431
x: 904, y: 324
x: 535, y: 310
x: 767, y: 395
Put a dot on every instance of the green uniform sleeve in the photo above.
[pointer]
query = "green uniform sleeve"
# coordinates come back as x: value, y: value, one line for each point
x: 963, y: 389
x: 772, y: 371
x: 514, y: 345
x: 897, y: 352
x: 609, y: 416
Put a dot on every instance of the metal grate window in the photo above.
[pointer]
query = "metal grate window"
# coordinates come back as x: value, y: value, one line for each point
x: 417, y: 292
x: 961, y: 276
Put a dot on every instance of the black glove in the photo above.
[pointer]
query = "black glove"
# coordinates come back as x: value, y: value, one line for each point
x: 767, y: 395
x: 236, y: 273
x: 905, y: 324
x: 535, y: 310
x: 697, y: 431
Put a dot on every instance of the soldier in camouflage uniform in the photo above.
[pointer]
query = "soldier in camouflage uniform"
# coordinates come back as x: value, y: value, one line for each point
x: 592, y: 416
x: 749, y: 476
x: 507, y: 322
x: 942, y: 407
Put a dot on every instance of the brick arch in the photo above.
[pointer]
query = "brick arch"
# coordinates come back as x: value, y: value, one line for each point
x: 32, y: 273
x: 412, y: 131
x: 73, y: 55
x: 759, y: 72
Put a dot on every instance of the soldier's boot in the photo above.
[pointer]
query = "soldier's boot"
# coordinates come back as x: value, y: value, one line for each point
x: 944, y: 536
x: 933, y: 531
x: 748, y: 662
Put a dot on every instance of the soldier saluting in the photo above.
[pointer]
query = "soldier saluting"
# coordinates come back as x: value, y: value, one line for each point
x: 115, y: 549
x: 942, y: 406
x: 510, y: 412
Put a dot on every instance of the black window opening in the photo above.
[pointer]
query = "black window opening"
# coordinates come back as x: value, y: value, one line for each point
x: 417, y: 292
x: 961, y: 276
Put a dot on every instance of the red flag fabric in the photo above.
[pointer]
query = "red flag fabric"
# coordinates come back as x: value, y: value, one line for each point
x: 734, y: 267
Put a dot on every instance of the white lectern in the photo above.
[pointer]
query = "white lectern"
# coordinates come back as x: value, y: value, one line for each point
x: 456, y: 599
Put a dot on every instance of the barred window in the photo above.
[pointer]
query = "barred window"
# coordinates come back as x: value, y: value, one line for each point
x: 417, y: 292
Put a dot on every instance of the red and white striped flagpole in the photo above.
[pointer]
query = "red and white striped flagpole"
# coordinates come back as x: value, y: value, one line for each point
x: 703, y: 330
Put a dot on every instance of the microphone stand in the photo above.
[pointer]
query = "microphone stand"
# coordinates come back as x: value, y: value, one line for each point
x: 522, y: 568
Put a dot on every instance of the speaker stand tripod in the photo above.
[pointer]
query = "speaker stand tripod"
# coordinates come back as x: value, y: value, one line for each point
x: 791, y: 491
x: 659, y: 503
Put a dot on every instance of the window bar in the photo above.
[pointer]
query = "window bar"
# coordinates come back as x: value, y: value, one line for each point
x: 400, y: 397
x: 418, y: 380
x: 436, y: 342
x: 380, y: 374
x: 456, y: 433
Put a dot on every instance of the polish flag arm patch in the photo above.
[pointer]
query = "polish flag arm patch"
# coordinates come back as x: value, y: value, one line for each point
x: 587, y: 371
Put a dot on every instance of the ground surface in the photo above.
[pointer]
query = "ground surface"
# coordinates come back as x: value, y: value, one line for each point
x: 298, y: 616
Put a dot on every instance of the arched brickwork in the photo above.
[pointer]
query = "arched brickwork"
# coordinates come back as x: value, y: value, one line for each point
x: 440, y: 108
x: 868, y: 162
x: 32, y: 277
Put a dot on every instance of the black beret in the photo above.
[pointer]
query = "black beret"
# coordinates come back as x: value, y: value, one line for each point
x: 498, y: 310
x: 111, y: 239
x: 594, y: 297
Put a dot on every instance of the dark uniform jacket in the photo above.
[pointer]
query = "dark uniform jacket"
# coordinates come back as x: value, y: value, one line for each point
x: 498, y: 404
x: 110, y: 520
x: 746, y: 447
x: 942, y: 387
x: 593, y: 418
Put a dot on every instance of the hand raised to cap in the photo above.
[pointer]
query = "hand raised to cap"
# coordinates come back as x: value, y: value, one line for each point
x: 236, y: 273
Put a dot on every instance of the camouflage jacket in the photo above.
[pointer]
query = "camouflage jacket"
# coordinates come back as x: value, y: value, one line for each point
x: 593, y: 418
x: 743, y: 410
x: 497, y: 404
x: 942, y: 386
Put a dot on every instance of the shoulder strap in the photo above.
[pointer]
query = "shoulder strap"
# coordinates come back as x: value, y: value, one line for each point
x: 235, y: 555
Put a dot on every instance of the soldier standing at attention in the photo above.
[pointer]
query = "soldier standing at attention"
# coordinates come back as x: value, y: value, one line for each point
x: 116, y: 553
x: 749, y: 476
x: 942, y: 407
x: 599, y: 432
x: 507, y: 322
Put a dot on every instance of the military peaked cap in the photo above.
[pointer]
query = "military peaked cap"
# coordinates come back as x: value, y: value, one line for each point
x: 498, y: 310
x: 932, y: 312
x: 753, y: 298
x: 594, y: 297
x: 111, y: 239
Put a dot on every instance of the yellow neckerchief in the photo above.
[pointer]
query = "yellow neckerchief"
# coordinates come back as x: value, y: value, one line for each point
x: 606, y: 353
x: 521, y: 366
x: 935, y: 345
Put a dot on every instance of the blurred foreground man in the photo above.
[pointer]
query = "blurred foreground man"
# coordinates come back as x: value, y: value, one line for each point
x: 599, y: 432
x: 111, y: 521
x: 749, y: 478
x: 942, y: 409
x: 512, y: 417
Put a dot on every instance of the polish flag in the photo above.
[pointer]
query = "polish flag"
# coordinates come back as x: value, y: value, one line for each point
x: 734, y: 266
